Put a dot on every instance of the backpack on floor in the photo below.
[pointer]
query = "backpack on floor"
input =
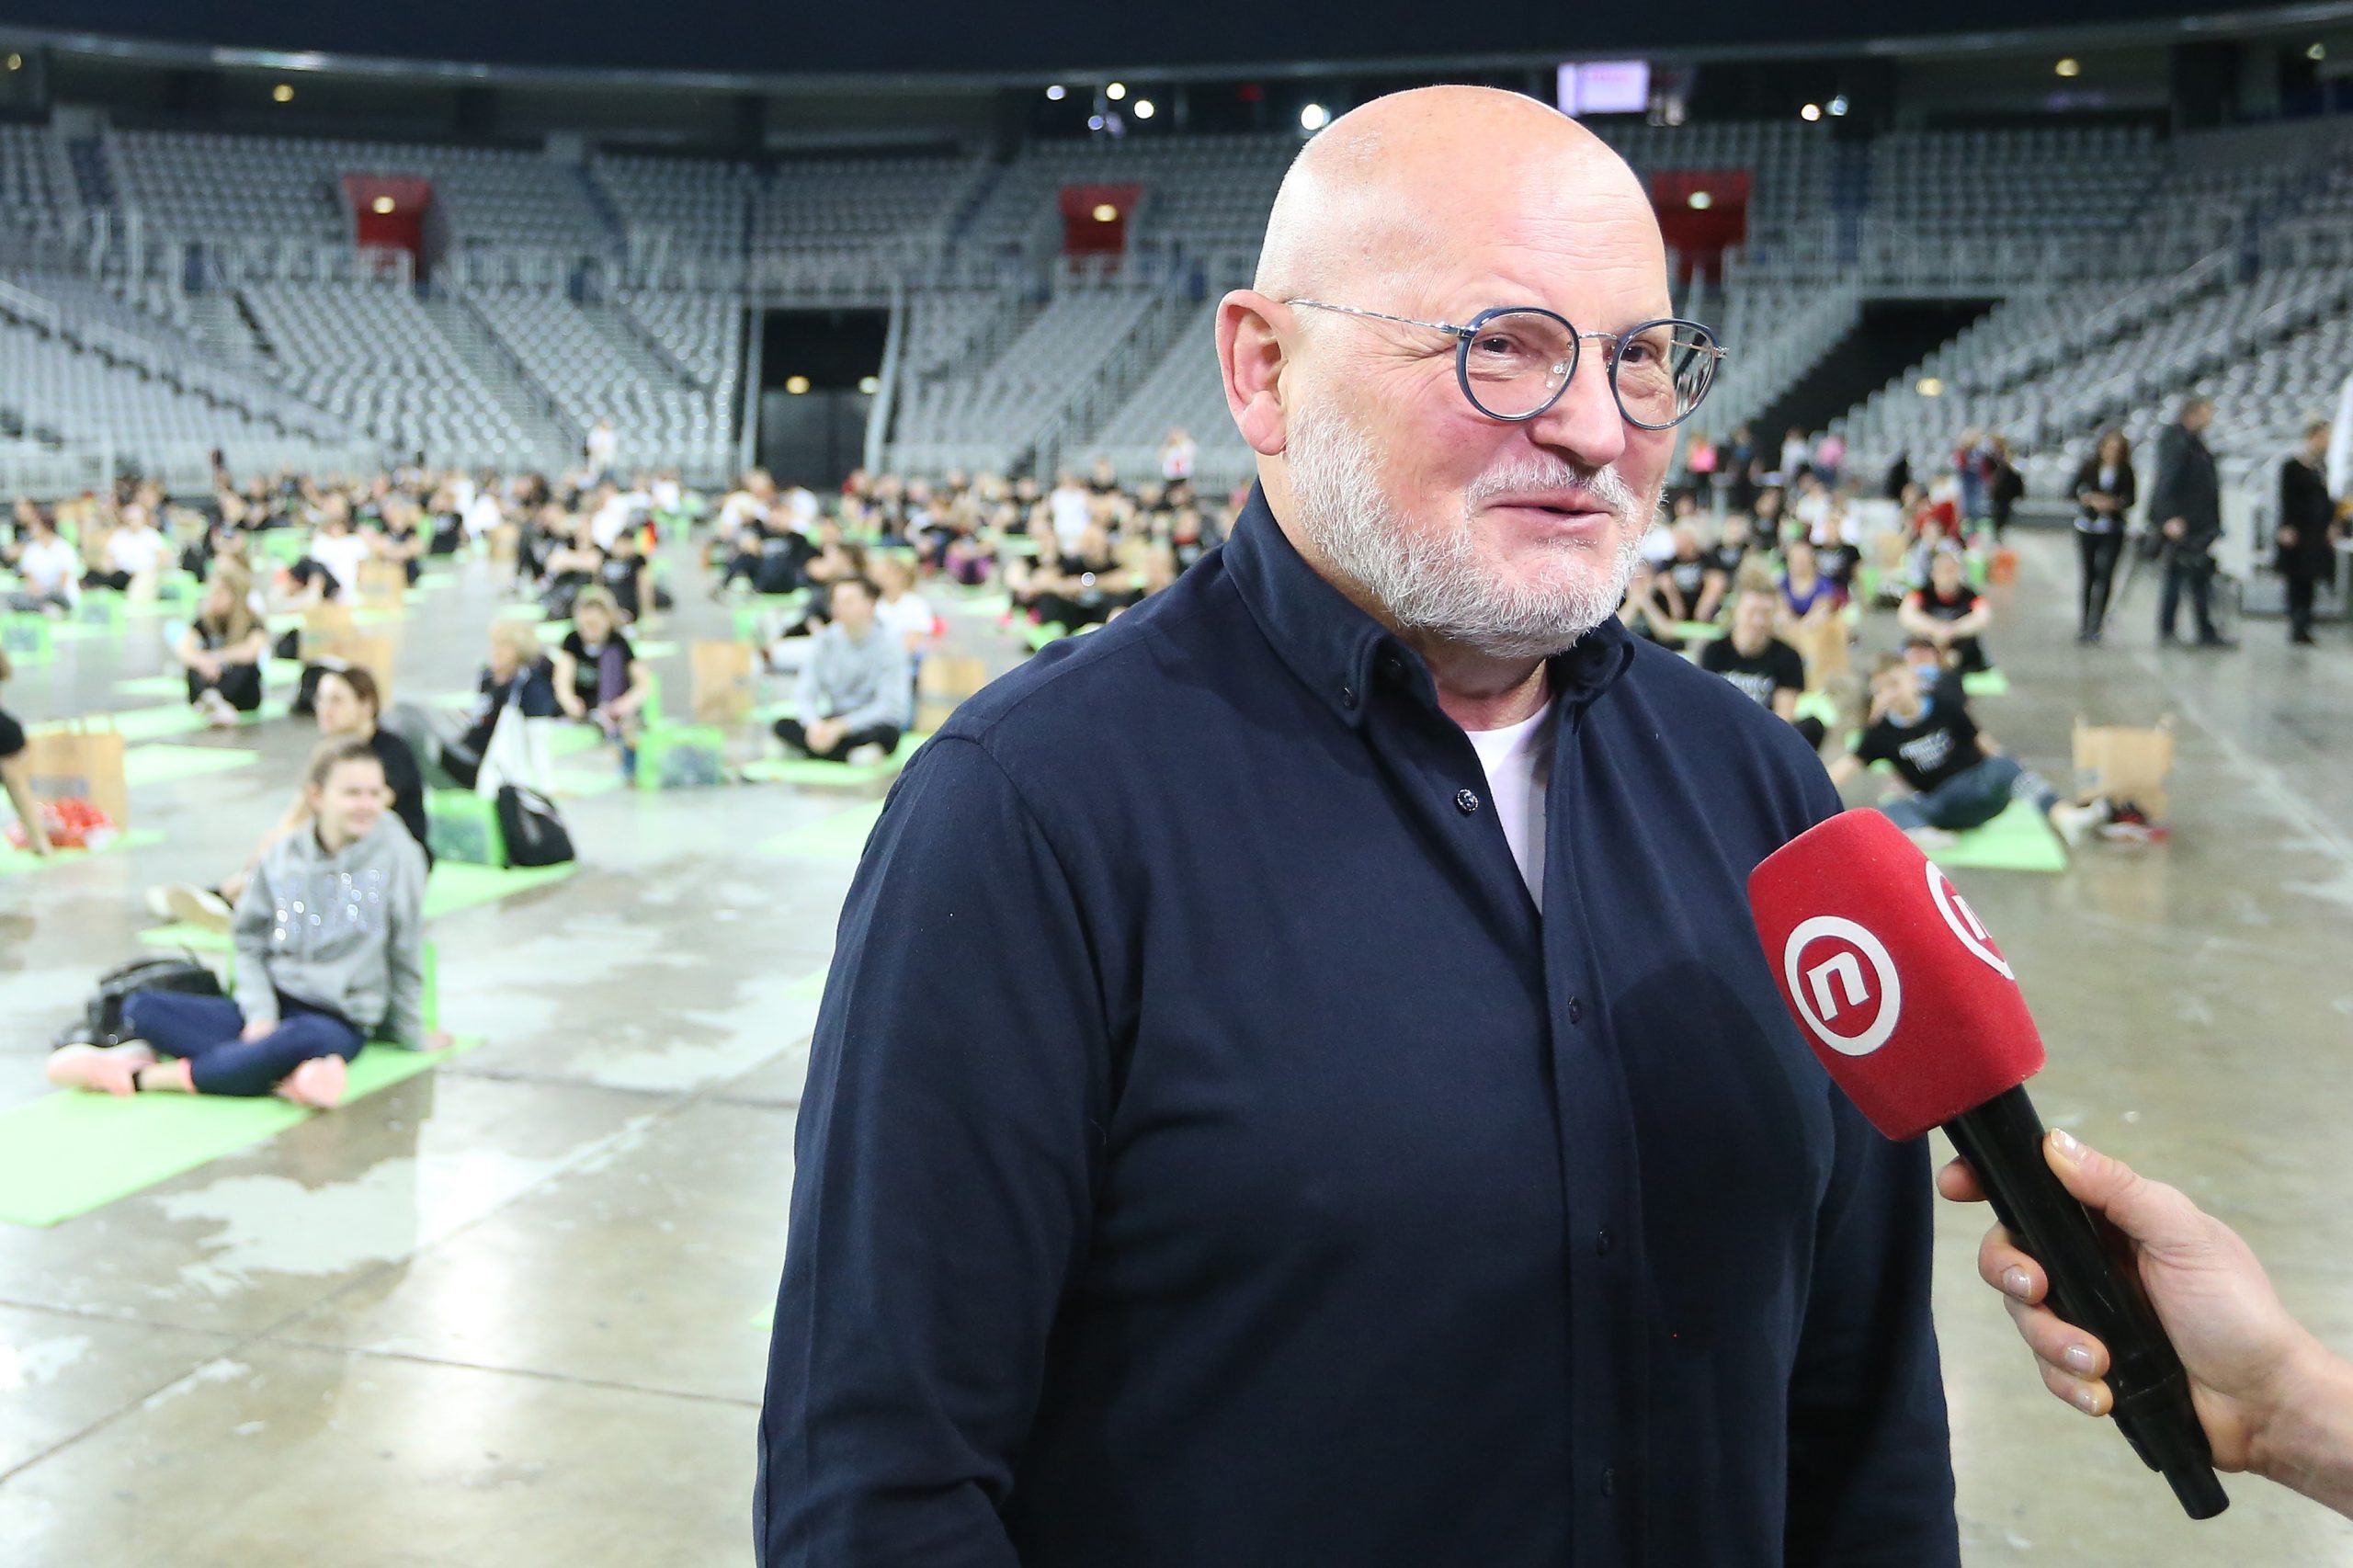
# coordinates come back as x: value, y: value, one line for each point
x: 101, y: 1020
x: 532, y: 828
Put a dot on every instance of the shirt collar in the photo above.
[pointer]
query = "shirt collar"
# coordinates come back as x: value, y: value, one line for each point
x: 1338, y: 652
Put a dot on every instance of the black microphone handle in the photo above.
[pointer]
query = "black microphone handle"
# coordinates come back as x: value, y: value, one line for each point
x: 2094, y: 1288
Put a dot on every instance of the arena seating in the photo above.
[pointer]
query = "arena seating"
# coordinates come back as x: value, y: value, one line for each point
x: 2129, y: 265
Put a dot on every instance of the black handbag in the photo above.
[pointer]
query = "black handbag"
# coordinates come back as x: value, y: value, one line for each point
x: 532, y: 827
x: 101, y: 1020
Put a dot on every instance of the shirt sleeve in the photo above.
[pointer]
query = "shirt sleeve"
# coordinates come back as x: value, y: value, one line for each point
x: 945, y: 1158
x: 1789, y: 668
x: 1870, y: 1469
x: 404, y: 951
x: 249, y: 930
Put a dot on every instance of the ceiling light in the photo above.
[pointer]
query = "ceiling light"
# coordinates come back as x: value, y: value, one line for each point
x: 1093, y: 122
x: 1314, y: 116
x: 870, y: 385
x: 1105, y: 212
x: 2070, y: 66
x: 2315, y: 52
x: 1810, y: 111
x: 1928, y: 386
x: 17, y: 62
x: 1701, y: 201
x: 1056, y: 93
x: 382, y: 204
x: 796, y: 385
x: 1143, y: 110
x: 283, y: 93
x: 1116, y: 91
x: 1838, y: 104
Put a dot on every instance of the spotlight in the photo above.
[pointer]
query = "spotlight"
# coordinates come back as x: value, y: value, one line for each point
x: 1143, y: 110
x: 1093, y: 122
x: 796, y: 385
x: 1056, y: 93
x: 1838, y: 105
x: 283, y: 93
x: 17, y: 62
x: 1105, y: 212
x: 1929, y: 386
x: 1810, y: 112
x: 1116, y: 91
x: 870, y: 385
x: 2315, y: 52
x: 1701, y: 201
x: 2070, y: 66
x: 382, y: 204
x: 1314, y: 116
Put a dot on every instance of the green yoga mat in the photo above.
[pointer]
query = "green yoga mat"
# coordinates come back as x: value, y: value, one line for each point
x: 166, y: 765
x: 274, y: 672
x: 581, y: 783
x: 841, y: 837
x: 145, y: 723
x: 809, y: 770
x: 68, y: 1153
x: 520, y: 612
x: 20, y: 863
x: 2017, y: 840
x: 453, y: 887
x: 1698, y: 631
x: 1985, y: 683
x: 570, y: 740
x: 979, y: 604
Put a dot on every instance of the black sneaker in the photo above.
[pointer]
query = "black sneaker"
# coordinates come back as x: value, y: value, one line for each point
x: 2215, y: 639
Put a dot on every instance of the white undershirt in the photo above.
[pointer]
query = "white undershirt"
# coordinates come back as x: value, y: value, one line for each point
x: 1518, y: 763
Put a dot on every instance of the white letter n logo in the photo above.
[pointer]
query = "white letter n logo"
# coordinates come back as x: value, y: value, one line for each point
x: 1849, y: 975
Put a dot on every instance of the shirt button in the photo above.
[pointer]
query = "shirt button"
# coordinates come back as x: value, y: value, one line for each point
x: 1465, y: 802
x: 1576, y: 1011
x: 1603, y: 1241
x: 1609, y: 1484
x: 1392, y: 667
x: 1347, y: 696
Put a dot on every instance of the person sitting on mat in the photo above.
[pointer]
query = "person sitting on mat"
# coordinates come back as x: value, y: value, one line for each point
x: 1949, y: 612
x: 1807, y: 597
x: 16, y: 775
x: 48, y: 567
x: 1690, y: 586
x: 516, y: 672
x: 599, y: 679
x: 330, y: 938
x: 1771, y: 671
x: 1953, y: 776
x: 222, y: 649
x: 854, y: 691
x: 137, y: 548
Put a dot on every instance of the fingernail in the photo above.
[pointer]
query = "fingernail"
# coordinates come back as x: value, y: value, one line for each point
x: 2070, y: 1149
x: 2079, y: 1358
x: 2018, y: 1282
x: 2087, y: 1401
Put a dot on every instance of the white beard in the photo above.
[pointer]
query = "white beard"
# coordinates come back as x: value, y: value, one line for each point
x: 1438, y: 583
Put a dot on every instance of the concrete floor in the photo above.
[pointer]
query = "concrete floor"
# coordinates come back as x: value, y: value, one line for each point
x: 513, y: 1312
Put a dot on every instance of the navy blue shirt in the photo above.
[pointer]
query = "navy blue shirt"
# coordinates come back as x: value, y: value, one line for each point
x: 1210, y: 1158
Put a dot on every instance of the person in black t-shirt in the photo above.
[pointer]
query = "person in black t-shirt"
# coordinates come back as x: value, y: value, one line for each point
x: 1834, y: 556
x: 599, y: 677
x: 1733, y: 549
x: 515, y: 673
x: 1771, y: 671
x: 622, y: 572
x: 1688, y: 586
x: 1954, y: 779
x: 1949, y: 612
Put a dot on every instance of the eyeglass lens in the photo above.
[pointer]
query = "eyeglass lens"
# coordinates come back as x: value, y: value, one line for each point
x: 1516, y: 363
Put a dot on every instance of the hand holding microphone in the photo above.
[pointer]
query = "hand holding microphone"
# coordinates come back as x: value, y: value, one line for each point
x: 1904, y: 997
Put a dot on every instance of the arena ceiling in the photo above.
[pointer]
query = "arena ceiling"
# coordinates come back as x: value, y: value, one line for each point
x: 755, y: 39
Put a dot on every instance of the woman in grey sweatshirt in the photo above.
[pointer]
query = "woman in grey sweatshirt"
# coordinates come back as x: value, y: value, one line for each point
x: 330, y: 941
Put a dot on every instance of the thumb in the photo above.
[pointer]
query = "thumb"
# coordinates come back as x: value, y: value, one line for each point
x: 2150, y: 1213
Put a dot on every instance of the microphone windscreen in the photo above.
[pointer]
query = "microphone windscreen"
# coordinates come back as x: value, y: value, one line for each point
x: 1891, y: 975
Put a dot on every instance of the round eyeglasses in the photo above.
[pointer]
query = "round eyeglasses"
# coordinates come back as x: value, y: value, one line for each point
x: 1515, y: 362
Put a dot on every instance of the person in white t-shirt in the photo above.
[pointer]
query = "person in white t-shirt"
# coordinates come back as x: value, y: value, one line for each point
x: 602, y: 444
x: 900, y: 610
x: 136, y: 549
x: 1176, y: 454
x: 1071, y: 510
x: 52, y: 569
x: 340, y: 549
x: 481, y: 515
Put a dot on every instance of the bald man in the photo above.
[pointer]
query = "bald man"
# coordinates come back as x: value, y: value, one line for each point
x: 1298, y: 1084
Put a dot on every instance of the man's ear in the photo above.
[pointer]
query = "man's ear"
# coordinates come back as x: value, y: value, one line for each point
x: 1251, y: 361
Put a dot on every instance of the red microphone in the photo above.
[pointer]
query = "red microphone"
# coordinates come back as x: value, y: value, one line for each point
x: 1903, y: 997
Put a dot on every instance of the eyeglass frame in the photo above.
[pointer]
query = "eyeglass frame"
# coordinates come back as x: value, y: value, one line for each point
x: 1464, y: 335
